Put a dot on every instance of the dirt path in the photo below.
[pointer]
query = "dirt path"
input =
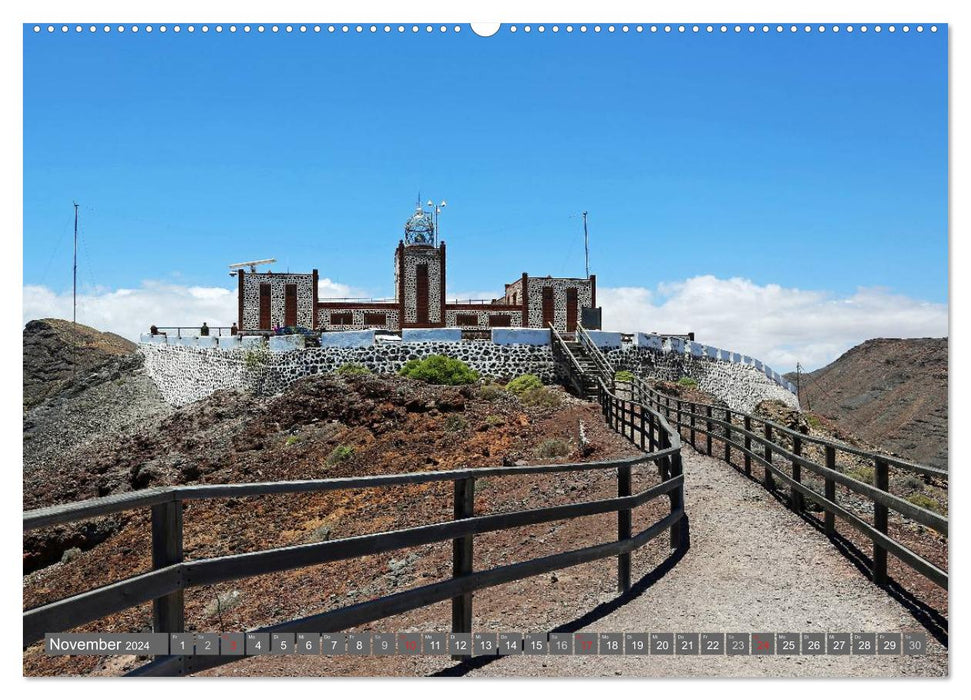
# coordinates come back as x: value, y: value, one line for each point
x: 752, y: 566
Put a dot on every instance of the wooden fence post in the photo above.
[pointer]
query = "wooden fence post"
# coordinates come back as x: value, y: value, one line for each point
x: 768, y: 481
x: 464, y: 503
x: 691, y: 408
x: 829, y: 519
x: 881, y: 479
x: 728, y: 435
x: 623, y: 529
x: 748, y: 445
x: 795, y: 498
x: 677, y: 496
x: 644, y: 433
x: 168, y: 612
x: 708, y: 430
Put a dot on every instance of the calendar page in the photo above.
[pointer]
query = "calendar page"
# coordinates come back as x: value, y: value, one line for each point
x: 420, y: 347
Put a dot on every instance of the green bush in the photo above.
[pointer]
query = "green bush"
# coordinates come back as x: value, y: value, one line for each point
x: 541, y: 396
x: 624, y: 376
x: 864, y: 474
x: 490, y: 392
x: 922, y: 500
x: 339, y: 454
x: 292, y: 440
x: 351, y: 369
x: 688, y: 383
x: 913, y: 483
x: 439, y: 369
x: 493, y: 420
x: 813, y: 421
x: 524, y: 383
x: 553, y: 448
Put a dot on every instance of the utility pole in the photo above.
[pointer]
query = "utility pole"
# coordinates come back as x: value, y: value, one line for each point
x: 74, y: 318
x: 586, y: 246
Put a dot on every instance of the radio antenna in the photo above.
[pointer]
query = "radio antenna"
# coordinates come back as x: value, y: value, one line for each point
x: 74, y: 318
x: 586, y: 245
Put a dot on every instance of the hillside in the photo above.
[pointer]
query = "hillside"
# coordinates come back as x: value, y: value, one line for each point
x: 890, y: 392
x: 323, y: 426
x: 107, y: 431
x: 56, y: 352
x: 81, y: 385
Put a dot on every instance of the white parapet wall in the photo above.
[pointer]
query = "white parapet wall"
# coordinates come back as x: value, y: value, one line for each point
x: 738, y: 380
x: 188, y: 369
x: 430, y: 335
x: 520, y: 336
x: 286, y: 343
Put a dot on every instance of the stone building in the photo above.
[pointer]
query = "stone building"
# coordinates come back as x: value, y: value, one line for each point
x: 274, y: 299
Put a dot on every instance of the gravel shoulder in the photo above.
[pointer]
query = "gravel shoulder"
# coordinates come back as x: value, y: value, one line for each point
x: 752, y: 566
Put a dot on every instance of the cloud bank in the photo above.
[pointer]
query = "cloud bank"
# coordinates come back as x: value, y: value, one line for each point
x: 130, y: 312
x: 776, y: 324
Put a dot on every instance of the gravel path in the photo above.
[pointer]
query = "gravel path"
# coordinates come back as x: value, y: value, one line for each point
x: 753, y: 566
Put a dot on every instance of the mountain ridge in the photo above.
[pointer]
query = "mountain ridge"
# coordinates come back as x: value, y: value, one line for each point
x: 892, y: 392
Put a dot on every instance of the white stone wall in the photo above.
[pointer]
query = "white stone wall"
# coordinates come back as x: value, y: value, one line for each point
x: 559, y: 285
x: 740, y: 385
x: 482, y: 317
x: 431, y: 257
x: 185, y: 373
x: 277, y: 281
x: 357, y: 319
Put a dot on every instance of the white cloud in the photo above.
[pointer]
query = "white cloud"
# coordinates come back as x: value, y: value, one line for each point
x: 778, y: 325
x: 130, y: 312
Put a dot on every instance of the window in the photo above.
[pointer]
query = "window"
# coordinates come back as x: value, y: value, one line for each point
x: 466, y: 320
x: 341, y: 318
x: 373, y: 318
x: 499, y: 320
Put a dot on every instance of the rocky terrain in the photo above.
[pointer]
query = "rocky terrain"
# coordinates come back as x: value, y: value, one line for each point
x: 107, y: 431
x: 81, y: 387
x: 57, y: 353
x: 887, y: 391
x: 323, y: 426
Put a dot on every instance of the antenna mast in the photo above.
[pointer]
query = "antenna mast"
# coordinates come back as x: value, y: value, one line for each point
x: 74, y: 318
x: 586, y: 246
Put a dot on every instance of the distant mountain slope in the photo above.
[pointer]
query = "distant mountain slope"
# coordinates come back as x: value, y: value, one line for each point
x: 892, y: 392
x: 56, y: 351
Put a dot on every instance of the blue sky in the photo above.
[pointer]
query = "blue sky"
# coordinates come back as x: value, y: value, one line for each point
x: 810, y: 161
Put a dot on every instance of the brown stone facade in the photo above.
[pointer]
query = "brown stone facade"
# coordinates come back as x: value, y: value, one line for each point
x: 419, y: 301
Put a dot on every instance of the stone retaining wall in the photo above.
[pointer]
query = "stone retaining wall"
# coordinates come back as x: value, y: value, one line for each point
x: 188, y: 371
x: 185, y: 373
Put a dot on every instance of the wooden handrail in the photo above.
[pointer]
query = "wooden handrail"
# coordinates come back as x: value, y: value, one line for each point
x: 768, y: 438
x: 171, y: 576
x: 603, y: 364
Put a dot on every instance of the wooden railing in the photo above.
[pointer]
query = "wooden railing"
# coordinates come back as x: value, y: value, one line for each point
x: 774, y: 446
x: 604, y: 367
x: 562, y: 353
x: 171, y: 575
